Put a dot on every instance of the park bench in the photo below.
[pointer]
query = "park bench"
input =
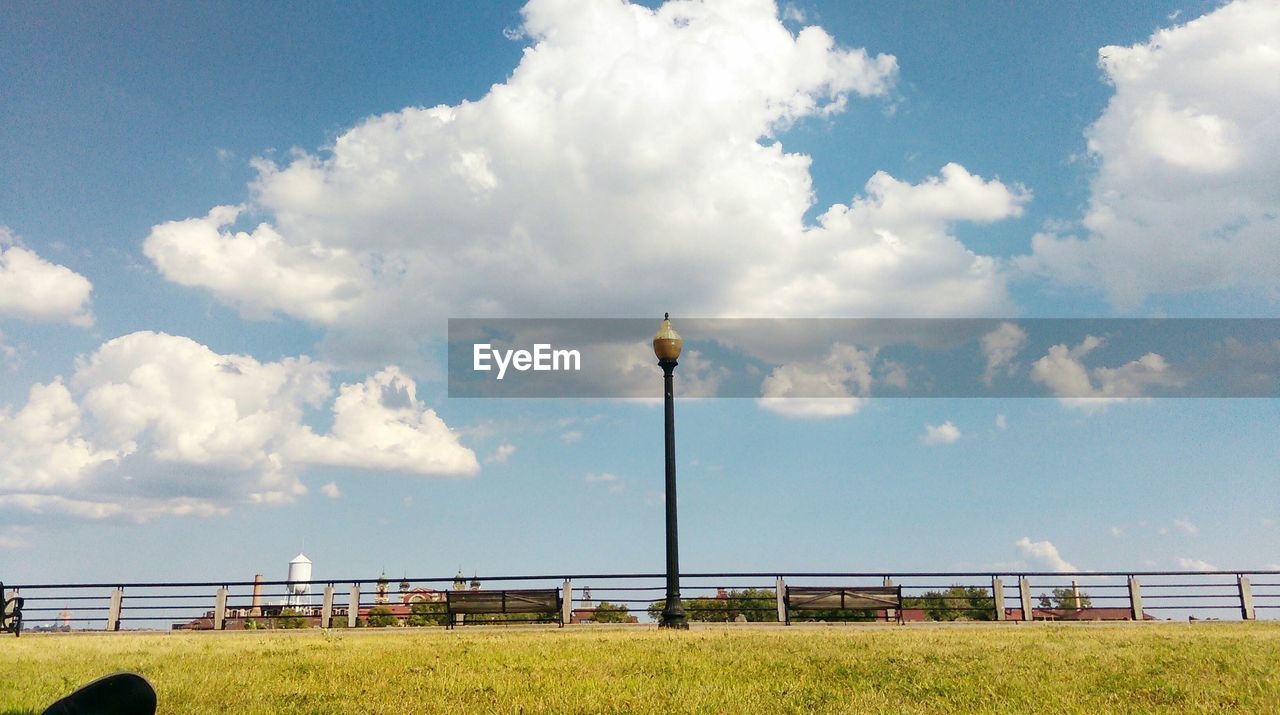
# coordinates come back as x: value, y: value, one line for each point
x: 838, y: 598
x: 544, y: 601
x: 10, y: 613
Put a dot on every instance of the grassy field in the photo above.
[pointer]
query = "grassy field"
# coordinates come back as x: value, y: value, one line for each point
x: 1202, y: 667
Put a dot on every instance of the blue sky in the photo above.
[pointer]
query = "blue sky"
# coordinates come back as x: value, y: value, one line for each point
x: 270, y: 376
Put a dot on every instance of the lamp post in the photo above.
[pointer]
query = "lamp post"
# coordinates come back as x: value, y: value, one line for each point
x: 666, y: 345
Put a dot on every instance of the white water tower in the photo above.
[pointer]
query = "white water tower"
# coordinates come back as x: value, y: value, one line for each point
x: 299, y: 574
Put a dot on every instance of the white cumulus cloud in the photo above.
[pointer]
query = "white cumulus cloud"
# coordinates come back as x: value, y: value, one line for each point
x: 945, y: 433
x: 257, y: 271
x: 501, y: 454
x: 154, y: 424
x: 53, y: 504
x: 1063, y: 371
x: 380, y: 424
x: 1044, y: 553
x: 1188, y: 158
x: 633, y: 152
x: 889, y: 252
x: 1001, y: 346
x: 32, y: 288
x: 43, y: 443
x: 1187, y: 564
x: 824, y: 388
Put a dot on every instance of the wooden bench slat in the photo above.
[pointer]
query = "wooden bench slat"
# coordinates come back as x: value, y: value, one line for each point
x: 545, y: 602
x: 835, y: 598
x: 539, y: 600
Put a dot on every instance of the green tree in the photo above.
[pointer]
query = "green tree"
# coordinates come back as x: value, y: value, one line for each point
x: 755, y: 604
x: 289, y: 618
x: 956, y: 603
x: 1065, y: 599
x: 428, y: 613
x: 381, y: 617
x: 610, y: 613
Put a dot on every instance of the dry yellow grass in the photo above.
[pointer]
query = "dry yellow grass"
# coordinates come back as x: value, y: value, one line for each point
x: 1224, y: 667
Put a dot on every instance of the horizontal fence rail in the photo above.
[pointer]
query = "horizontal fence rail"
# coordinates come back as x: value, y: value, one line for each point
x: 752, y: 597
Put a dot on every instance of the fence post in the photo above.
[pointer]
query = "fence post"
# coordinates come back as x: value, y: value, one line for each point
x: 780, y: 592
x: 113, y: 611
x: 353, y: 606
x: 220, y: 609
x: 1246, y: 598
x: 891, y: 614
x: 997, y: 595
x: 566, y: 602
x: 1024, y: 594
x: 326, y: 607
x: 1135, y: 598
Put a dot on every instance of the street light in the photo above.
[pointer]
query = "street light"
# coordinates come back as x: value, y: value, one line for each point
x: 666, y: 345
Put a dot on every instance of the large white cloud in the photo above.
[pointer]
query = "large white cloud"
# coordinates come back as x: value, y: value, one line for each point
x: 381, y: 424
x: 1188, y: 155
x: 834, y: 386
x: 1063, y: 371
x: 888, y: 253
x: 628, y: 165
x: 32, y: 288
x: 43, y: 445
x: 1045, y: 554
x: 158, y: 424
x: 256, y: 270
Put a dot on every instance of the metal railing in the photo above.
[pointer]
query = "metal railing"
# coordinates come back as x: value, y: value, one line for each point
x: 715, y: 597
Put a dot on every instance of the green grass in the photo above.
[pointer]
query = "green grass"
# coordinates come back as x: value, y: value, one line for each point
x: 1202, y: 667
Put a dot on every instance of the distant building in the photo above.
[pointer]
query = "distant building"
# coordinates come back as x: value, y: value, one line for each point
x: 586, y: 610
x: 588, y: 615
x: 1077, y: 614
x: 264, y: 616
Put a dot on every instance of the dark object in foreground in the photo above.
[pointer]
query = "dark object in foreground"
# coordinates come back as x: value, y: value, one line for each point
x: 10, y: 613
x: 540, y: 601
x: 116, y: 694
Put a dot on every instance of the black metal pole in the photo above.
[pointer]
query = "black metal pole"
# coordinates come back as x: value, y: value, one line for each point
x: 673, y: 615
